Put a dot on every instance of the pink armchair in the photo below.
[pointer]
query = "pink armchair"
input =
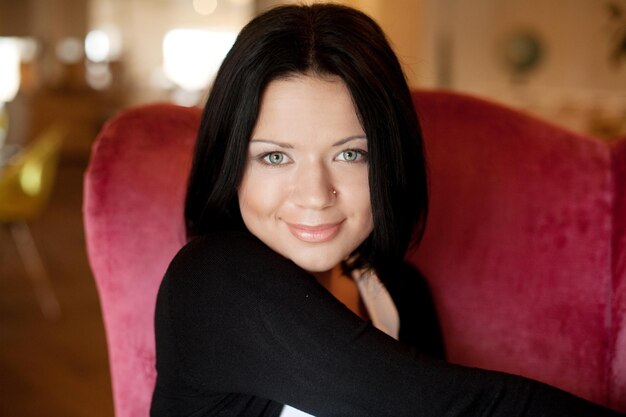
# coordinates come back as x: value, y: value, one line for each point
x: 525, y: 247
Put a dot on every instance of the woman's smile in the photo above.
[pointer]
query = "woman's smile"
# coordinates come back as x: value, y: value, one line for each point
x: 314, y: 234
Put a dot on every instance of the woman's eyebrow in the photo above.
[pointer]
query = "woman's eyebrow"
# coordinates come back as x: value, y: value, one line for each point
x: 349, y: 138
x: 272, y: 142
x: 289, y: 146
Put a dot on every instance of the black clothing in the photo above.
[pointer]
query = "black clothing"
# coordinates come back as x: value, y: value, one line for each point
x: 419, y: 326
x: 241, y: 330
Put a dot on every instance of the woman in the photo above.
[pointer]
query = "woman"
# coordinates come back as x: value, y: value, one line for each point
x: 308, y: 185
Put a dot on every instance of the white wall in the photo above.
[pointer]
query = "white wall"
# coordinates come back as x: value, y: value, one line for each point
x: 143, y: 23
x: 575, y: 84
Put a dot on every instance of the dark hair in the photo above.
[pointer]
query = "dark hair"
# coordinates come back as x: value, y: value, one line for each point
x: 320, y: 39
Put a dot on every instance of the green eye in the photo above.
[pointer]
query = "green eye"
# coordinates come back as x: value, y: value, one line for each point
x: 274, y: 158
x: 352, y: 155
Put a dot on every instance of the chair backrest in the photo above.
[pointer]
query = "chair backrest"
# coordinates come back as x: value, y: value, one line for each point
x: 524, y: 248
x: 27, y: 180
x: 133, y: 212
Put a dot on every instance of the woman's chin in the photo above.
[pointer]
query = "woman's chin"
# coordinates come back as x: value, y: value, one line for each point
x: 316, y: 266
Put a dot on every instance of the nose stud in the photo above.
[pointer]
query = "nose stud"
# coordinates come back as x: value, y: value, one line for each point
x: 334, y: 192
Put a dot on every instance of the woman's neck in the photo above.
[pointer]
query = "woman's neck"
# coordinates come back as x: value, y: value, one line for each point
x: 326, y: 277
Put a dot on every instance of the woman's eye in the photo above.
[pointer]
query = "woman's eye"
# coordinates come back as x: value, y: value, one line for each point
x: 275, y: 158
x: 351, y: 155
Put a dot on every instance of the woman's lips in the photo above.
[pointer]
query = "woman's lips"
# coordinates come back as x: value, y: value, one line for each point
x: 314, y: 234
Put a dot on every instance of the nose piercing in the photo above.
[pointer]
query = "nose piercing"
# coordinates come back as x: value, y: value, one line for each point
x: 334, y: 192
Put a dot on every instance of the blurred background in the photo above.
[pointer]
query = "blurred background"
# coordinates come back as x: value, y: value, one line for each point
x: 66, y: 66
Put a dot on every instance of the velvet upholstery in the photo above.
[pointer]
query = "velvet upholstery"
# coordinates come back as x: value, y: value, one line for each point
x: 617, y: 388
x: 133, y: 212
x: 525, y: 247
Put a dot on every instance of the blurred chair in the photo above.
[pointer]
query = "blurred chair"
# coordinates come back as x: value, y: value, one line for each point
x: 25, y: 185
x: 525, y: 247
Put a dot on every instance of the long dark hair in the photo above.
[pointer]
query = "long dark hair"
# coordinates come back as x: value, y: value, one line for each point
x: 320, y: 39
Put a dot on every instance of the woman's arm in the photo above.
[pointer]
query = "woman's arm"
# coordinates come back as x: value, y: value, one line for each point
x: 235, y: 317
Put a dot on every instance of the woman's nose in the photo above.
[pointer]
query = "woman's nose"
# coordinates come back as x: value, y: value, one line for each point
x: 313, y: 187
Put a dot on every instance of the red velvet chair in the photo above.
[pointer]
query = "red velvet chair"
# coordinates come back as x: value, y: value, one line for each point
x: 525, y: 247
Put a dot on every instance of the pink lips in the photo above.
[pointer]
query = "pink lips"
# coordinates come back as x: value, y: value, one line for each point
x: 314, y: 234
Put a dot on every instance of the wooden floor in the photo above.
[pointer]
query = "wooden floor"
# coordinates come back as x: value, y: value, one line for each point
x: 53, y: 368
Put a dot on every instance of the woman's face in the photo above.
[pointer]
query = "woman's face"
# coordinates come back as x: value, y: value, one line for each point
x: 305, y: 190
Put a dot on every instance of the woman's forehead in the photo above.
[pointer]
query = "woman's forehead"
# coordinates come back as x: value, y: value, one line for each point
x: 307, y: 105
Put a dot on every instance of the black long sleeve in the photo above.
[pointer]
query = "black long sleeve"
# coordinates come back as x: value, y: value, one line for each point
x: 241, y: 330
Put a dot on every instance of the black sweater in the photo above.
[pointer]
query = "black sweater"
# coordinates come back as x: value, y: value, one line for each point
x: 241, y: 330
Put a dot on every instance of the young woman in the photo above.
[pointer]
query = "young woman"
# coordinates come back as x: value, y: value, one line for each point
x: 308, y: 185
